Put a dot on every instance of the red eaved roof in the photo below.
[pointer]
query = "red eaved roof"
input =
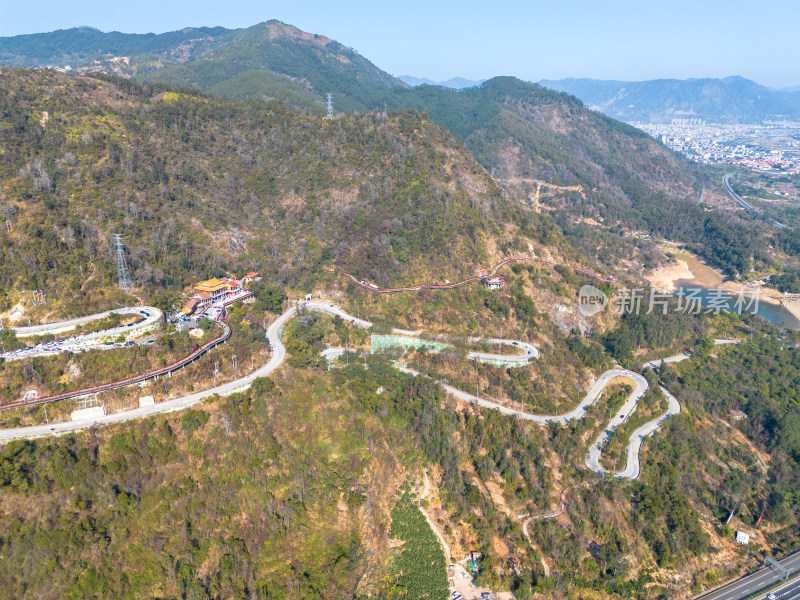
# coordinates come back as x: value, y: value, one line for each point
x: 190, y: 305
x: 251, y: 274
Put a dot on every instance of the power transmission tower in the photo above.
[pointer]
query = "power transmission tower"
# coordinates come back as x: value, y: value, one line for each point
x: 330, y: 105
x: 122, y: 267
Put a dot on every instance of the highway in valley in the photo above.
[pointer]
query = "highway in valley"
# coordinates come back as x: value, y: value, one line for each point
x: 749, y: 585
x: 726, y: 181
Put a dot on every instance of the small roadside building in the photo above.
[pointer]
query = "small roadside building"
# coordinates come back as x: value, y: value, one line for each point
x: 738, y: 415
x: 234, y: 287
x: 495, y: 283
x: 742, y: 538
x: 251, y: 276
x: 191, y: 305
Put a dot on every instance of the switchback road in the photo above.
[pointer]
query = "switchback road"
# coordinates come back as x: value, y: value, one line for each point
x: 68, y: 325
x: 632, y: 469
x: 274, y: 335
x: 152, y: 316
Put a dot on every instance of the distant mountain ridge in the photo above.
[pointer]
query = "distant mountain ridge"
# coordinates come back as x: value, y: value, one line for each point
x: 270, y: 59
x: 728, y: 100
x: 456, y: 83
x: 78, y: 46
x: 524, y: 134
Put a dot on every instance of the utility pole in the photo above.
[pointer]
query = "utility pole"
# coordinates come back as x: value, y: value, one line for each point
x: 122, y: 266
x: 216, y: 370
x: 235, y: 361
x: 45, y: 415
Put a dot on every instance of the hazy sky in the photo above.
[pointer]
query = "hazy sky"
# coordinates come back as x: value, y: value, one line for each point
x: 605, y: 39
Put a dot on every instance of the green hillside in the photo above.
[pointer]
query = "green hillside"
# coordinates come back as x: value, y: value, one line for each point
x: 610, y: 172
x: 199, y: 185
x: 81, y: 45
x: 271, y: 59
x: 268, y: 58
x: 305, y: 486
x: 520, y: 132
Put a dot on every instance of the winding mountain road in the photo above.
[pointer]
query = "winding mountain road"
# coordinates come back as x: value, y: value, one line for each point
x: 70, y: 324
x: 652, y: 364
x: 152, y: 316
x: 274, y: 335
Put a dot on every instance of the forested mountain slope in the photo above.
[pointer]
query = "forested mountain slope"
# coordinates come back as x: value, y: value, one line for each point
x: 594, y: 168
x: 197, y: 185
x: 79, y: 46
x: 290, y: 489
x: 270, y: 59
x: 598, y: 169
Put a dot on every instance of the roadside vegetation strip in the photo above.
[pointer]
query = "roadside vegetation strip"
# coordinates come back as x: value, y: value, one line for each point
x: 524, y: 351
x: 449, y: 286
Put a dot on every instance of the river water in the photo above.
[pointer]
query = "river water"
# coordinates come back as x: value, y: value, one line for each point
x: 775, y: 314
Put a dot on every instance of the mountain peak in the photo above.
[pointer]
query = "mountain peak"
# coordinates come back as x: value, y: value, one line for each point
x: 280, y: 30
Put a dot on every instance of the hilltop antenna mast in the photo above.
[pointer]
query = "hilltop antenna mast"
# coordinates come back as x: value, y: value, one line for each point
x: 330, y: 105
x: 122, y: 267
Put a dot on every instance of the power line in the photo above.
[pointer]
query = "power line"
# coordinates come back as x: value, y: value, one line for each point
x: 122, y: 267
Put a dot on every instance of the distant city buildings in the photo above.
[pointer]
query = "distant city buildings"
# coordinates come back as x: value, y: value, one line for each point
x: 769, y: 146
